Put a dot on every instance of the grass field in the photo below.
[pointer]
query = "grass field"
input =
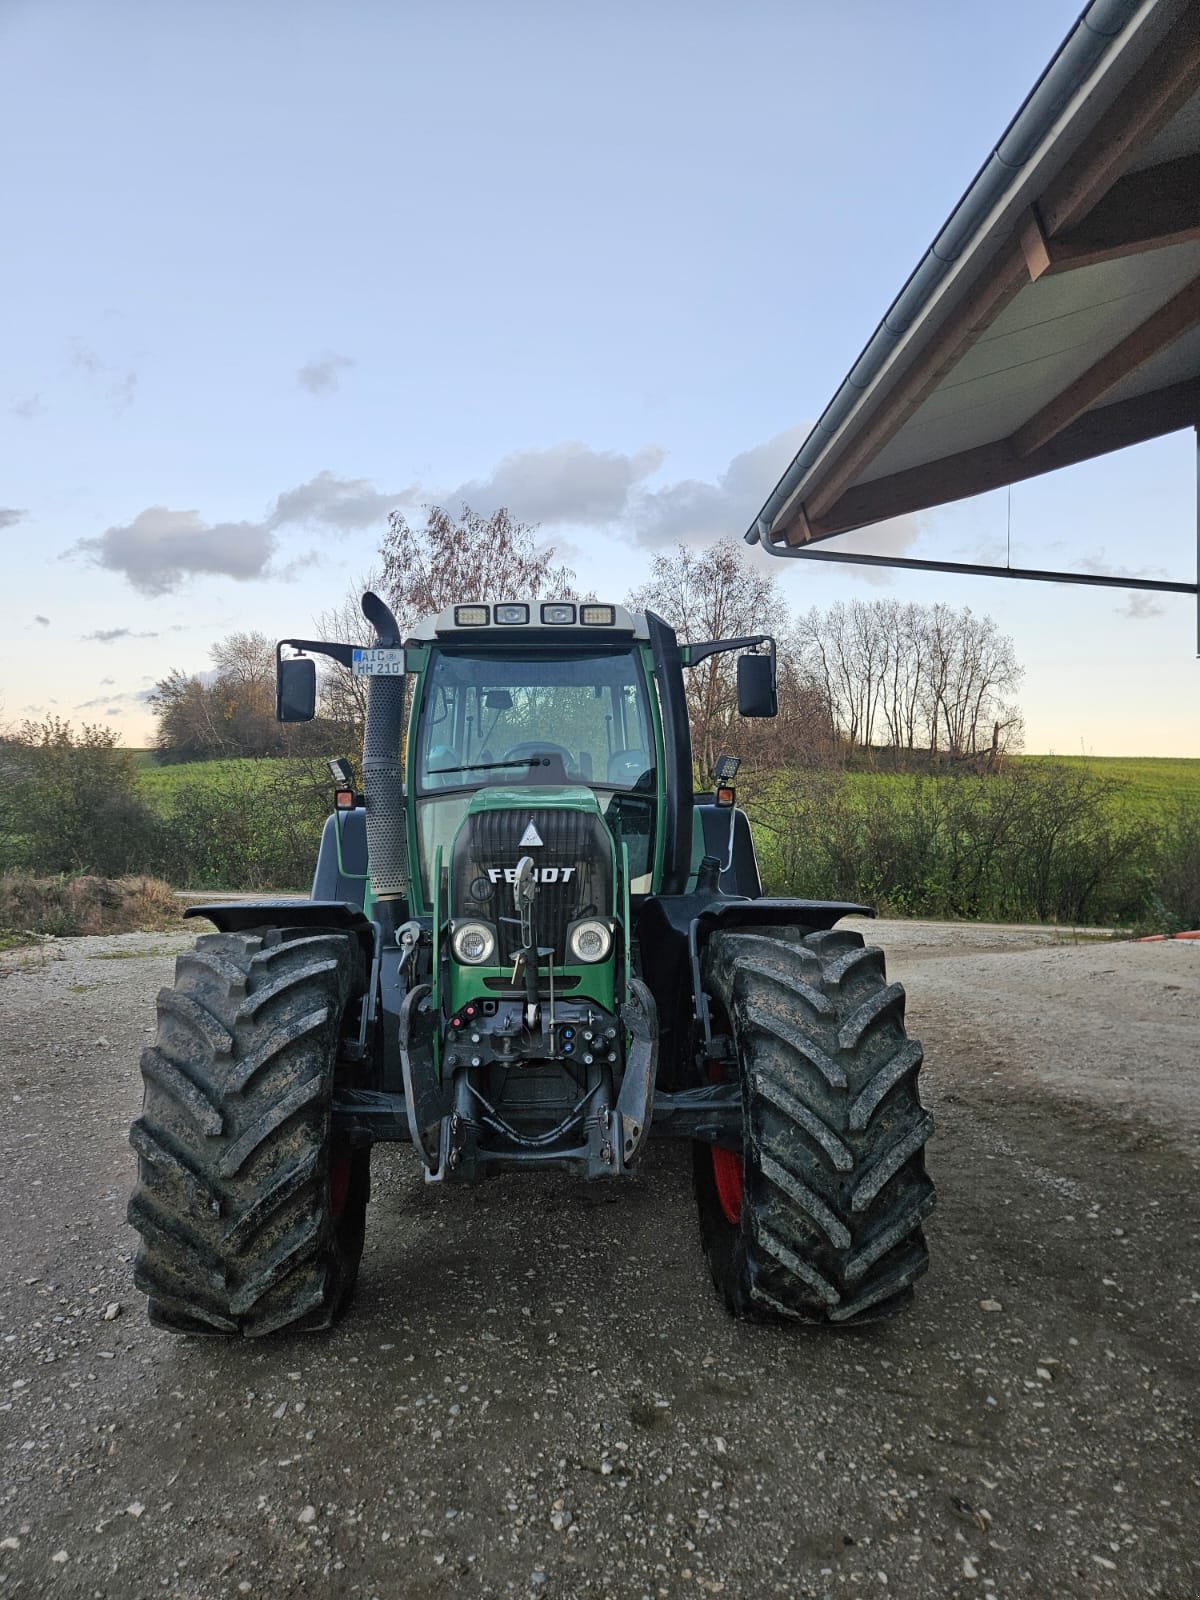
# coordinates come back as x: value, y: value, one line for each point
x: 1146, y: 782
x: 1142, y: 784
x: 161, y: 785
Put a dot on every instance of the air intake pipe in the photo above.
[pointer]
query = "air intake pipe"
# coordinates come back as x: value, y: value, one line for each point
x: 383, y: 773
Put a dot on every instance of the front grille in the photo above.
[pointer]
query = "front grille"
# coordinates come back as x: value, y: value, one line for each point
x: 574, y: 861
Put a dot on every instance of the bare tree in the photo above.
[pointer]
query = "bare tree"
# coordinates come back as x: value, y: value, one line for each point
x: 343, y: 697
x: 471, y: 557
x: 923, y: 676
x: 710, y: 594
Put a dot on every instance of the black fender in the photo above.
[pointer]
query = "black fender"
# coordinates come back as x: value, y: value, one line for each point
x: 239, y: 915
x: 672, y: 932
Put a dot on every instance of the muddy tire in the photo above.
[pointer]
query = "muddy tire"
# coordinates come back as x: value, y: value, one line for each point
x: 251, y: 1217
x: 820, y: 1221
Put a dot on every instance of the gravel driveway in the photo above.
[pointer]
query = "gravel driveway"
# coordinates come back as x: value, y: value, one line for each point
x: 537, y: 1392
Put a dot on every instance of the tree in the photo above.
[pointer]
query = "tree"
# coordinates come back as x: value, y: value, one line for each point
x: 342, y: 698
x: 471, y: 557
x: 229, y: 711
x: 710, y: 594
x: 916, y: 676
x: 73, y: 796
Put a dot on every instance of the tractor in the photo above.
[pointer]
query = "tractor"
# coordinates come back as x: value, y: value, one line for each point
x: 529, y: 945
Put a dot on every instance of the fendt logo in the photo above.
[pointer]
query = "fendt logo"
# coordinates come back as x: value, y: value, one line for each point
x: 542, y: 875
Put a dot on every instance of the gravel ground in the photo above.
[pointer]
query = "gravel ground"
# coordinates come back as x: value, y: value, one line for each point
x: 537, y: 1393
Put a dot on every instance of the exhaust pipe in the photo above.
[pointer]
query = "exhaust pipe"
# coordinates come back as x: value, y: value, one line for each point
x: 383, y: 774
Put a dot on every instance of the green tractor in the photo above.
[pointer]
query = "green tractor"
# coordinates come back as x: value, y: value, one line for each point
x: 529, y: 945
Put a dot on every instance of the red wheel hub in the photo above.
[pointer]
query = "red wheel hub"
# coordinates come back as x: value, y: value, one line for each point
x: 728, y: 1174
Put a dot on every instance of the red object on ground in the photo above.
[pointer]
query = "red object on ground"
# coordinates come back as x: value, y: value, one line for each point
x: 1160, y: 938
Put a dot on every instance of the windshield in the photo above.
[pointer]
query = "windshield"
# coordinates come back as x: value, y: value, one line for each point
x: 535, y: 719
x: 531, y: 718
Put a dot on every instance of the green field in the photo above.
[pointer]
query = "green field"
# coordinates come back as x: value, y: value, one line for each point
x: 162, y: 784
x: 1145, y: 783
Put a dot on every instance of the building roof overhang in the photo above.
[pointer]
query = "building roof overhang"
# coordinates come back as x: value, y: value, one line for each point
x: 1055, y: 318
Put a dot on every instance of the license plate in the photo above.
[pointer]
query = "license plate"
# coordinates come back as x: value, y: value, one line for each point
x: 378, y: 663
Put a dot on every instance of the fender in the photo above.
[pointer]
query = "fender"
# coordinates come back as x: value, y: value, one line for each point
x: 341, y: 915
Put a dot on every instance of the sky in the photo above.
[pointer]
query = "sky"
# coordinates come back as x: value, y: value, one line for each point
x: 270, y: 271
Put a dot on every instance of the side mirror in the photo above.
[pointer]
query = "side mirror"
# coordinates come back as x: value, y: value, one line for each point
x: 756, y: 686
x: 296, y: 689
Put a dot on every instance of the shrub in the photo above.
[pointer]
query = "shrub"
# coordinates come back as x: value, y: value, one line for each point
x: 1044, y: 843
x: 70, y: 803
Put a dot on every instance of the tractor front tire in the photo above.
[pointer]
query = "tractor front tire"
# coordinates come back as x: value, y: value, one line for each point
x: 251, y: 1214
x: 820, y: 1218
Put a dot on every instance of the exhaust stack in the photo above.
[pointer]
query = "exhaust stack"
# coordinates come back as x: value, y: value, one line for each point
x: 383, y: 776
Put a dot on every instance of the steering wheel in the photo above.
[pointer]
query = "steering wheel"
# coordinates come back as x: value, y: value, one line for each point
x: 537, y: 747
x: 627, y: 766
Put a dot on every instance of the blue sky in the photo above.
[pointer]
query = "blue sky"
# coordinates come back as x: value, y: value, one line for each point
x: 272, y: 269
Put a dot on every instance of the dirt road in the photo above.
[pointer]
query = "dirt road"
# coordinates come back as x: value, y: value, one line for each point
x: 537, y: 1393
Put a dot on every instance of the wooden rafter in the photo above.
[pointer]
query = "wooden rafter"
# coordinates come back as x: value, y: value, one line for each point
x: 1180, y: 314
x: 1148, y: 210
x: 991, y: 466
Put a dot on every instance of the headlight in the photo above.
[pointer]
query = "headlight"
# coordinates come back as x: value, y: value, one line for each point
x: 590, y: 941
x: 473, y: 943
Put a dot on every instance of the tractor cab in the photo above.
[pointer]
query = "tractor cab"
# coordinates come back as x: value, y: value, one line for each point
x: 539, y: 710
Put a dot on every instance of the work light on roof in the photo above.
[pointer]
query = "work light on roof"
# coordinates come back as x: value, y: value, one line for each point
x: 470, y: 616
x: 597, y: 616
x: 511, y: 616
x: 557, y: 613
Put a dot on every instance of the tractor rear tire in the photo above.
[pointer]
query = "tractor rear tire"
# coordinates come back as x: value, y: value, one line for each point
x: 251, y: 1215
x: 820, y: 1219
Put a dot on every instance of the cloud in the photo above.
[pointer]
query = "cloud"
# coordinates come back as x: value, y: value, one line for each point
x: 160, y: 548
x: 566, y: 483
x: 27, y: 407
x: 45, y: 621
x: 569, y: 485
x: 322, y: 375
x: 10, y: 516
x: 893, y: 538
x: 695, y: 510
x: 331, y: 502
x: 108, y: 635
x: 114, y: 701
x: 107, y: 682
x: 83, y: 357
x: 121, y: 393
x: 1141, y: 605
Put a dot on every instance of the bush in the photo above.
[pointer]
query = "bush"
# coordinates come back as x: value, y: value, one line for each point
x: 1177, y: 887
x: 1045, y: 844
x: 246, y: 829
x: 70, y: 803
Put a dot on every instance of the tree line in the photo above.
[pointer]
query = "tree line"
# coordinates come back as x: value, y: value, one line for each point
x: 854, y: 679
